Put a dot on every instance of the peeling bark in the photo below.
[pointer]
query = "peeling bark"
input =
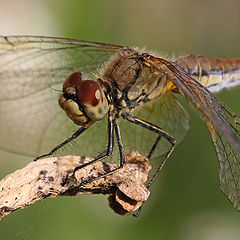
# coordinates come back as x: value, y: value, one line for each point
x: 44, y: 179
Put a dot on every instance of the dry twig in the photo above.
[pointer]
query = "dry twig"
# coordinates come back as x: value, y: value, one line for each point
x: 44, y: 178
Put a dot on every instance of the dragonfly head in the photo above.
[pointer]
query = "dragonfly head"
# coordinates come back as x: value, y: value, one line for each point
x: 83, y: 101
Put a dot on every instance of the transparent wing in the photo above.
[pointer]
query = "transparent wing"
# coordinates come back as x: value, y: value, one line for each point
x: 32, y: 71
x: 165, y: 112
x: 223, y: 125
x: 229, y: 166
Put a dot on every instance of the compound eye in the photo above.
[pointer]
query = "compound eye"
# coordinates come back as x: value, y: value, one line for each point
x: 89, y: 92
x: 92, y: 98
x: 72, y: 81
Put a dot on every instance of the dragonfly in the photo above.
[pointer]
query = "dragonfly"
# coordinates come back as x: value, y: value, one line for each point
x: 58, y: 90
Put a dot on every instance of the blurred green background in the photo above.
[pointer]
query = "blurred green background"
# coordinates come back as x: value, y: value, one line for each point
x: 186, y: 202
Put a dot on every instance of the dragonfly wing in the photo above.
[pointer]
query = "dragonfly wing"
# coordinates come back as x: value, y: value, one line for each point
x: 223, y: 125
x: 30, y: 64
x: 228, y: 164
x: 208, y: 104
x: 32, y: 71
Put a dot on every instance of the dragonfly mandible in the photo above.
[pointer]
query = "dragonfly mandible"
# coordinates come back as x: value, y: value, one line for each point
x: 115, y: 94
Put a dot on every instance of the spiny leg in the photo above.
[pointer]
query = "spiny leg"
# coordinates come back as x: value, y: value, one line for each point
x: 100, y: 156
x: 154, y: 147
x: 105, y: 153
x: 161, y: 134
x: 162, y: 162
x: 121, y: 152
x: 74, y: 136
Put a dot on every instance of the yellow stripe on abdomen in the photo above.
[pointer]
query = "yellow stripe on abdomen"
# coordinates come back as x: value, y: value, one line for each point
x: 213, y: 73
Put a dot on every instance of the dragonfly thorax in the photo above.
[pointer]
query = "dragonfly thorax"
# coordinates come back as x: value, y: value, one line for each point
x: 133, y: 80
x: 83, y: 101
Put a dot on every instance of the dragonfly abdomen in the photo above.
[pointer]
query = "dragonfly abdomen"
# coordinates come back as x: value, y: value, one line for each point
x: 213, y: 73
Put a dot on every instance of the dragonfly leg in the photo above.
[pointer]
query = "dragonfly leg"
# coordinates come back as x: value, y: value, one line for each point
x: 105, y: 153
x: 161, y: 133
x: 74, y: 136
x: 112, y: 127
x: 154, y: 147
x: 109, y: 149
